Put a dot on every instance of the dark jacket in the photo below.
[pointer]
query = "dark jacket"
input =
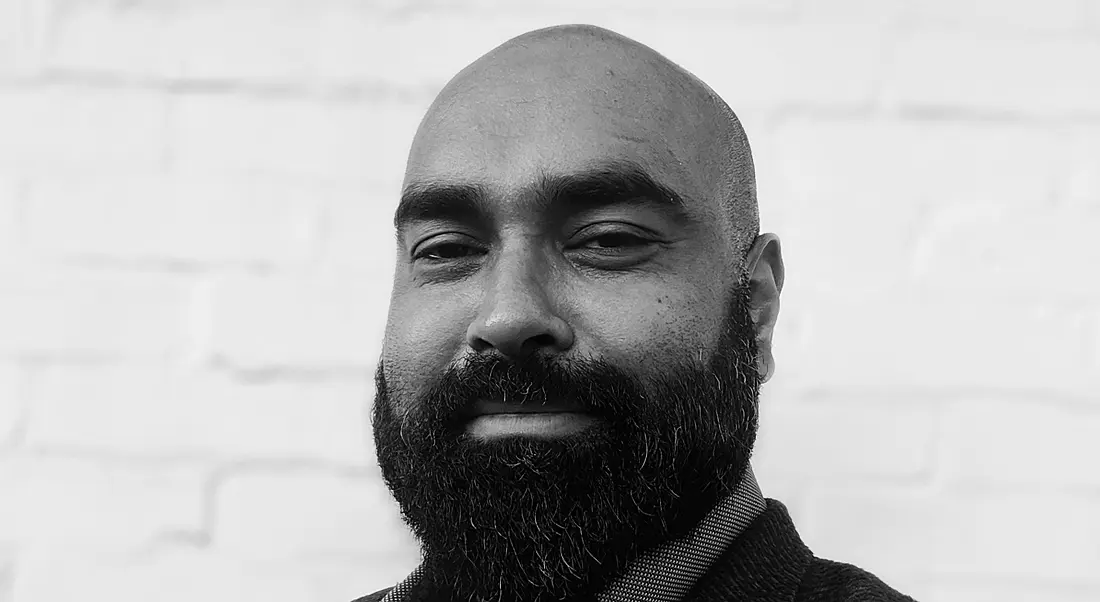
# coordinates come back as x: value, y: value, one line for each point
x: 769, y: 563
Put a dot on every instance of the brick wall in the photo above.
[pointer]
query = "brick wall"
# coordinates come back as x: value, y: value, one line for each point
x: 195, y: 259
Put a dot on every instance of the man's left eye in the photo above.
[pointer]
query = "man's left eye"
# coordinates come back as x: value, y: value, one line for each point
x: 615, y: 240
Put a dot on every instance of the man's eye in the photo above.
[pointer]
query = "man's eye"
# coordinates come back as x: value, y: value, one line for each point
x: 615, y: 241
x: 447, y: 251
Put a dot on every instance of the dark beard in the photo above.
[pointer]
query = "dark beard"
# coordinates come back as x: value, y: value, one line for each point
x: 534, y: 519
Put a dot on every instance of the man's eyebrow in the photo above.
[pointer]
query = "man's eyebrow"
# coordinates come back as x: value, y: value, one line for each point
x: 618, y: 183
x: 430, y: 201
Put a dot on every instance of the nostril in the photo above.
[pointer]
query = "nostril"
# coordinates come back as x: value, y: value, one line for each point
x: 541, y: 340
x: 480, y: 345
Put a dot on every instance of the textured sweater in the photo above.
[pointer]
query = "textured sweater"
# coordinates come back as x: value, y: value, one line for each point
x: 769, y: 563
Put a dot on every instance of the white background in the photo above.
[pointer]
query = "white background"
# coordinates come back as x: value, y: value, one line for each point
x: 195, y: 262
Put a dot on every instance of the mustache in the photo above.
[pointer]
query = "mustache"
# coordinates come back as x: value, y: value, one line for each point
x: 593, y: 385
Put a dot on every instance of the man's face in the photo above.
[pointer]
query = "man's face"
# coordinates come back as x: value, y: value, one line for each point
x: 556, y: 251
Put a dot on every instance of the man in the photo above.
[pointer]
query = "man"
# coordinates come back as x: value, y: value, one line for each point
x: 581, y: 319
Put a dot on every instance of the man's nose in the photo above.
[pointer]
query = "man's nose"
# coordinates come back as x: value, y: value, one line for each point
x: 517, y: 317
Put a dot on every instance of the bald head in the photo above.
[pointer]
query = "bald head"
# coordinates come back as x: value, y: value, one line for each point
x: 569, y: 97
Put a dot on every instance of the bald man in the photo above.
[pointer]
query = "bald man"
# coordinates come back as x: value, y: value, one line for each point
x: 581, y: 319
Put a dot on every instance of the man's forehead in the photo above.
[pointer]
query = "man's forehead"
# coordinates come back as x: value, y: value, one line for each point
x: 511, y: 164
x: 507, y: 139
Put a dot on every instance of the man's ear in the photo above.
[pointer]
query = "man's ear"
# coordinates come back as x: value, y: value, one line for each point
x: 764, y: 263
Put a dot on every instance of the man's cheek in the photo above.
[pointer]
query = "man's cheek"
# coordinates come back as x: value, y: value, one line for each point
x: 648, y: 338
x: 422, y: 345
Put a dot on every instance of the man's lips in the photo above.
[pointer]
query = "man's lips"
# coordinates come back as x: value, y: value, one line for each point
x: 482, y: 408
x: 493, y: 419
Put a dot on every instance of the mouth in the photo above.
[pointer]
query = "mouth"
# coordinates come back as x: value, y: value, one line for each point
x: 489, y: 408
x: 487, y: 420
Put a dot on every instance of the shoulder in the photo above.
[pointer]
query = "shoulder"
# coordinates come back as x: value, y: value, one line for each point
x: 375, y: 597
x: 830, y: 581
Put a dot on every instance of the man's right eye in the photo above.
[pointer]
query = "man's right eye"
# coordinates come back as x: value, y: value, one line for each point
x: 447, y: 251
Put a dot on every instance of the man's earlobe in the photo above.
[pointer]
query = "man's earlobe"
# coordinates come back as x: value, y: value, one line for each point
x: 765, y: 266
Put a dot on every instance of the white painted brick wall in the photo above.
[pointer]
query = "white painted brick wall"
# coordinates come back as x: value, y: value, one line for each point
x: 81, y: 128
x: 148, y: 412
x: 216, y: 221
x: 11, y: 403
x: 289, y: 322
x: 1000, y: 73
x: 195, y: 255
x: 1057, y: 16
x: 92, y: 314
